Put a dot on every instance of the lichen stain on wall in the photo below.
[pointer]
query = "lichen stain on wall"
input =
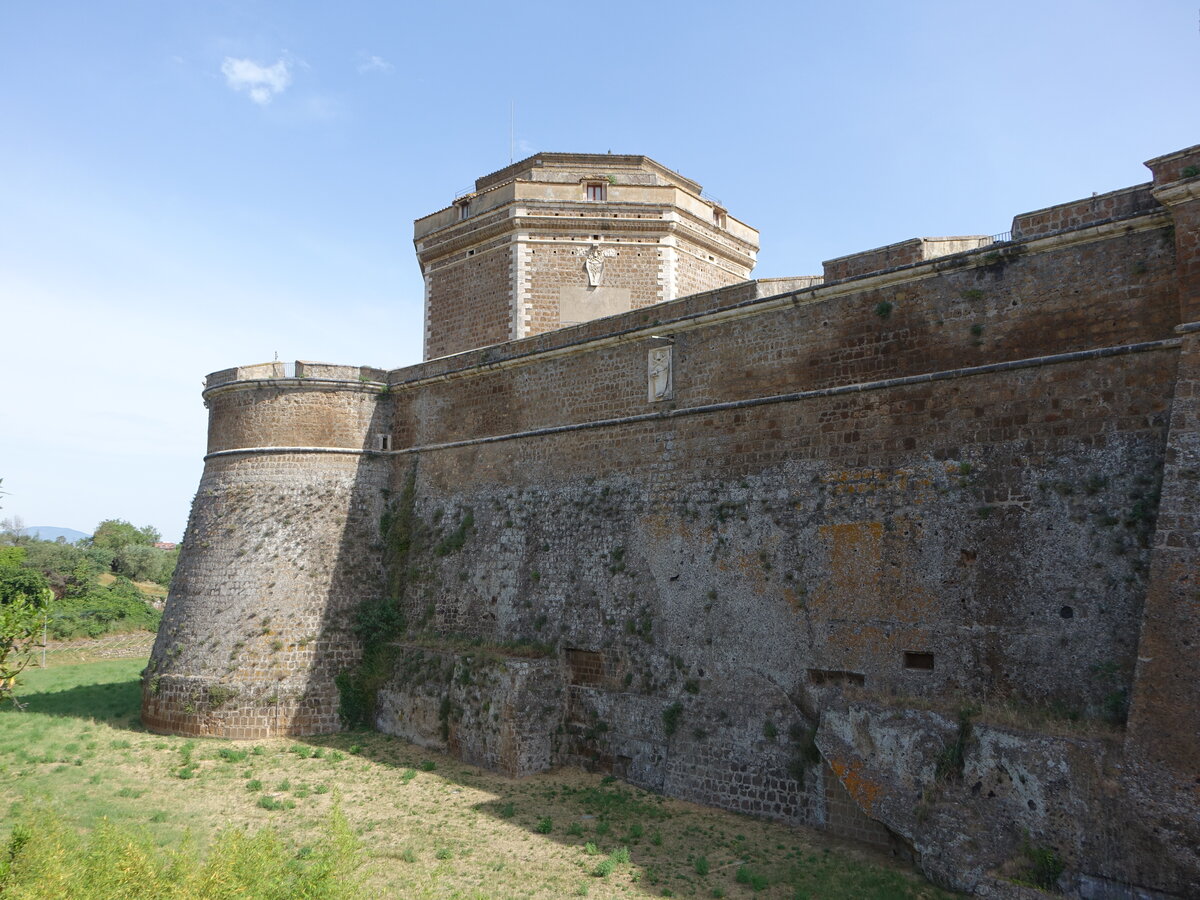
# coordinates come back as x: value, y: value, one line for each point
x: 864, y: 791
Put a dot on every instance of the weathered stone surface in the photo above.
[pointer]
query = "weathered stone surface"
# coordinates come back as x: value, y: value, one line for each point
x: 934, y: 483
x: 497, y: 711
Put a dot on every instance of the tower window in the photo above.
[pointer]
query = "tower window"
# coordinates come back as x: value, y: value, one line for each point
x: 597, y: 191
x: 718, y: 217
x: 383, y: 442
x: 464, y: 209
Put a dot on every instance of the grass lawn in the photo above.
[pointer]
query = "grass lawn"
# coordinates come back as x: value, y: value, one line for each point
x: 428, y: 826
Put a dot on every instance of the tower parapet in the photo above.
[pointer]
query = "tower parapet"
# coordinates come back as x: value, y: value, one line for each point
x: 277, y: 554
x: 563, y: 238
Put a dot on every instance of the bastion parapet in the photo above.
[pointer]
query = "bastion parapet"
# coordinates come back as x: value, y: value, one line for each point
x: 906, y: 551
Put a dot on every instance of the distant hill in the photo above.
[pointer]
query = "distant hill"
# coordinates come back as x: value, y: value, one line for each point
x: 51, y: 533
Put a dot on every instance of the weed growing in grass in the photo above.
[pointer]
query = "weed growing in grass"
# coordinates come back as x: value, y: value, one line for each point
x: 408, y: 855
x: 254, y: 785
x: 115, y: 861
x: 604, y: 868
x: 544, y: 825
x: 444, y: 853
x: 230, y: 755
x: 274, y: 804
x: 507, y: 811
x: 428, y: 765
x: 407, y: 775
x: 575, y: 829
x: 321, y: 789
x: 701, y: 865
x: 590, y: 849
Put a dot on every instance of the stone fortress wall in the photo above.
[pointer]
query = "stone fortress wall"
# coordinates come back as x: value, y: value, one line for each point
x: 908, y: 551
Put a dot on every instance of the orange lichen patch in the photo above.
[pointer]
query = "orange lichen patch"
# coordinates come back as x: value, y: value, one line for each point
x: 664, y: 528
x: 755, y: 566
x: 795, y: 600
x: 864, y: 791
x: 854, y: 550
x: 859, y: 641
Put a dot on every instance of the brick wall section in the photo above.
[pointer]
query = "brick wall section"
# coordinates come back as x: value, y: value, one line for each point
x: 1122, y: 204
x: 469, y: 300
x: 344, y: 415
x: 1164, y: 732
x: 697, y: 270
x: 1177, y: 186
x: 904, y: 253
x: 969, y: 316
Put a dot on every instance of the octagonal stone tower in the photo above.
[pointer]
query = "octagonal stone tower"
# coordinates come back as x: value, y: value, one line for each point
x: 563, y: 238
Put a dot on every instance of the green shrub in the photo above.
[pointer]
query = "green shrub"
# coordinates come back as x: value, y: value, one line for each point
x: 670, y: 718
x: 544, y: 825
x: 1044, y: 867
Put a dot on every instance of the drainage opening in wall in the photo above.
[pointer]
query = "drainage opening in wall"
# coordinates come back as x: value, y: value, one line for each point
x: 922, y: 662
x: 835, y: 676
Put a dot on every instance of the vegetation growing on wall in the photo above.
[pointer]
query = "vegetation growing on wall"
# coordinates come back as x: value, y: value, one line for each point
x: 380, y: 620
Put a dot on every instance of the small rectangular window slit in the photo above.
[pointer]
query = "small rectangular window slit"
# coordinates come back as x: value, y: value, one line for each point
x: 383, y: 442
x: 922, y: 662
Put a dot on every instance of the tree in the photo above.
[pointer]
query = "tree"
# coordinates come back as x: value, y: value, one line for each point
x: 24, y: 593
x: 113, y: 534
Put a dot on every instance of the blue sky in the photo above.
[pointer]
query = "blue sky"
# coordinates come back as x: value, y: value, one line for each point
x: 190, y: 186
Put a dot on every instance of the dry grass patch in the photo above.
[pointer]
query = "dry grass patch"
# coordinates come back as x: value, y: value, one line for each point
x: 428, y: 825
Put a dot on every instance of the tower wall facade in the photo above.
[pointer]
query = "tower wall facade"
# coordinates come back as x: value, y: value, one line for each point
x: 560, y: 239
